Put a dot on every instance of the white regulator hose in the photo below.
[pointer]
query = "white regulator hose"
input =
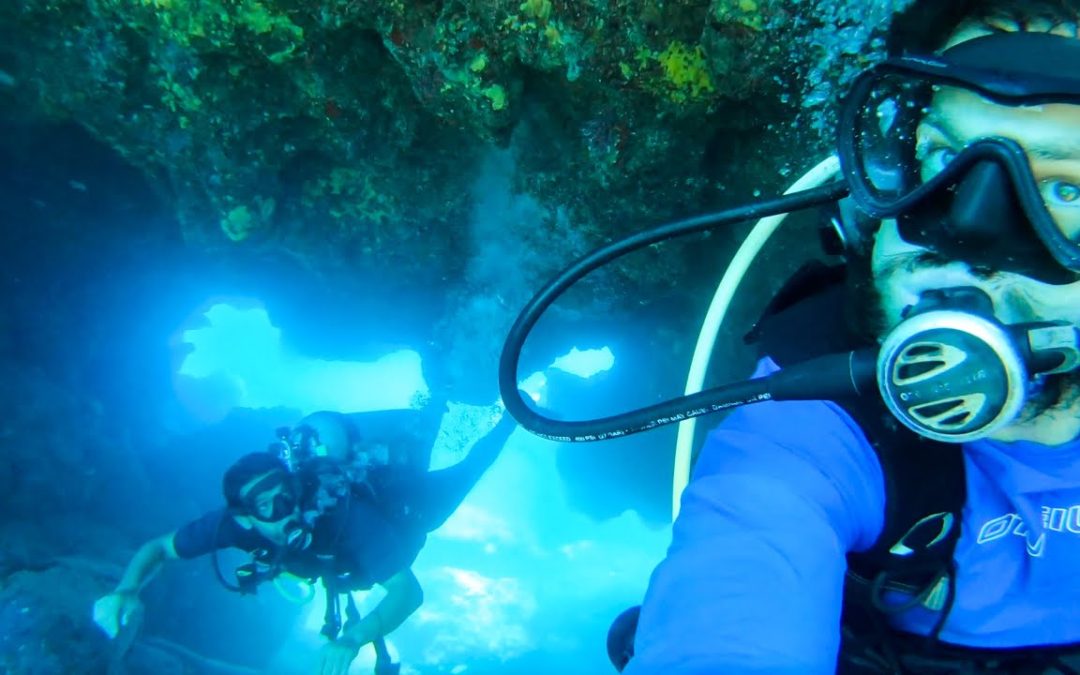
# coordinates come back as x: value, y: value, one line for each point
x: 710, y: 328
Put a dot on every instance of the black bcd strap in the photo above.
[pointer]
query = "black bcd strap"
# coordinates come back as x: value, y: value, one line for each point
x: 925, y: 488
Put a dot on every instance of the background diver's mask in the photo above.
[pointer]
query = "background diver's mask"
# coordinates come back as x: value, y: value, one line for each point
x: 975, y: 153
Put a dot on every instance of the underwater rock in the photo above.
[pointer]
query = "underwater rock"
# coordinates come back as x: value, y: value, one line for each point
x: 348, y: 133
x: 347, y: 139
x: 46, y: 624
x: 47, y: 628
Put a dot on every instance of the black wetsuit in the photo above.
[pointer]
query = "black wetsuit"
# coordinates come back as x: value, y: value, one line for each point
x: 373, y: 535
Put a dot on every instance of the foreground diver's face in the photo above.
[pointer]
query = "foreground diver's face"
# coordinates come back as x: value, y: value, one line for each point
x: 903, y: 271
x: 273, y: 526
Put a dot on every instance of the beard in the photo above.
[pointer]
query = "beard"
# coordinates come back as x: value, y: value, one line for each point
x: 902, y: 272
x: 1052, y: 393
x: 1053, y: 400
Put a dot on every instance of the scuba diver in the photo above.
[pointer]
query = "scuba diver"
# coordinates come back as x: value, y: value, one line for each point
x: 317, y: 506
x: 903, y: 494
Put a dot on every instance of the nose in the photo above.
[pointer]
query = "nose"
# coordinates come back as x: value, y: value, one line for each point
x: 986, y: 226
x: 985, y: 209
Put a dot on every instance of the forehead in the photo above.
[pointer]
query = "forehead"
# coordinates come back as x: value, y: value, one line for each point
x: 964, y: 115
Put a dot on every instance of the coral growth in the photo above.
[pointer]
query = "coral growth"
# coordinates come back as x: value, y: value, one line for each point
x: 346, y: 132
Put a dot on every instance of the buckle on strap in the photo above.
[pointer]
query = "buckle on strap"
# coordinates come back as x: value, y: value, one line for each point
x: 924, y: 535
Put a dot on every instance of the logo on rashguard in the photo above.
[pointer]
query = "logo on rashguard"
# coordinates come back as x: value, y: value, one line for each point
x: 1054, y: 519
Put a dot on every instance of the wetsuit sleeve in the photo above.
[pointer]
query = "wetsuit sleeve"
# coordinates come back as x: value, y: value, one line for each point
x: 753, y: 580
x: 215, y: 530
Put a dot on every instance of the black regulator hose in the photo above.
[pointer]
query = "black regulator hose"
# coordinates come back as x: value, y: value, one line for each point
x: 831, y: 376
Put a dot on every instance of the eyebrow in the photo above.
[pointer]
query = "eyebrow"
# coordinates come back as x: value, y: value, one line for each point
x: 1064, y: 152
x: 941, y: 125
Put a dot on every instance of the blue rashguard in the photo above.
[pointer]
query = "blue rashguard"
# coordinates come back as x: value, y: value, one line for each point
x: 782, y: 491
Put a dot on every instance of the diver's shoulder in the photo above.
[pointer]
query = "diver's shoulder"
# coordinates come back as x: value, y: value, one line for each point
x: 773, y: 433
x: 801, y: 421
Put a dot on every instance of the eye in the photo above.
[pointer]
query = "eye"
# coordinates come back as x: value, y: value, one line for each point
x: 1058, y: 192
x: 264, y: 503
x: 934, y: 157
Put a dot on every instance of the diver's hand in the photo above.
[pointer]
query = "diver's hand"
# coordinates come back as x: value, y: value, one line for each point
x: 336, y: 657
x: 117, y: 610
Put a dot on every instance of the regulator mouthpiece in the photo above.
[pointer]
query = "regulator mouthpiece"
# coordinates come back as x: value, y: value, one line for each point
x: 953, y: 373
x: 298, y: 537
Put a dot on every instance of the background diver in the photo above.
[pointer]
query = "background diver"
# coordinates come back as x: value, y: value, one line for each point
x: 315, y: 506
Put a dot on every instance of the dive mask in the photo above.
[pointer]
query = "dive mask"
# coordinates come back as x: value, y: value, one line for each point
x: 280, y: 505
x: 975, y: 153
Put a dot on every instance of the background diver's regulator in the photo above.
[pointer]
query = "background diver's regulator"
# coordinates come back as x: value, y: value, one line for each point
x: 952, y: 372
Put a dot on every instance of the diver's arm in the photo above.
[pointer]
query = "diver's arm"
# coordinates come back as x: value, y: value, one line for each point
x: 122, y: 607
x: 146, y: 563
x: 753, y: 580
x: 490, y: 445
x: 403, y: 597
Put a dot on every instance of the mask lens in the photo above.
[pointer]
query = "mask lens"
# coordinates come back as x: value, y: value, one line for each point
x: 281, y: 506
x: 273, y: 499
x: 884, y: 127
x: 912, y: 137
